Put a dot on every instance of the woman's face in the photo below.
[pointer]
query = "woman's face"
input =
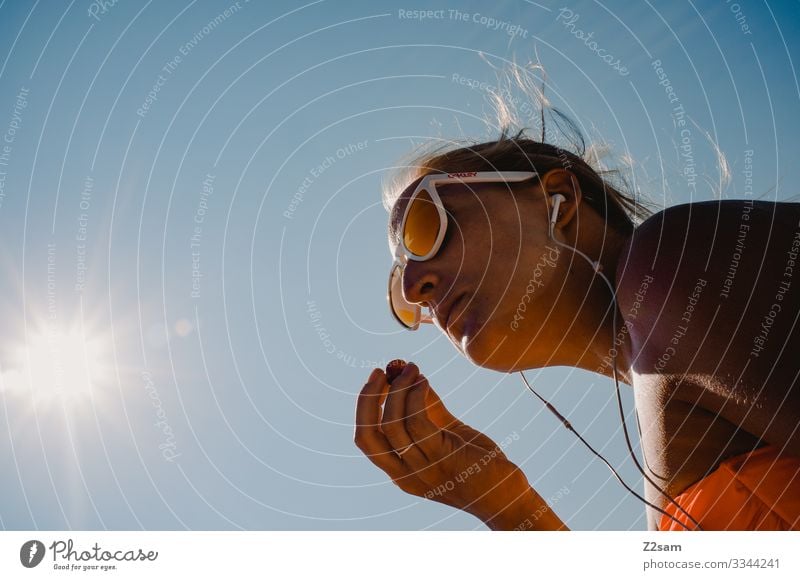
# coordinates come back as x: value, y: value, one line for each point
x: 496, y: 285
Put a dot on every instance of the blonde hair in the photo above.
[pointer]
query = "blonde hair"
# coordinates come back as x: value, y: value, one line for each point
x: 606, y: 190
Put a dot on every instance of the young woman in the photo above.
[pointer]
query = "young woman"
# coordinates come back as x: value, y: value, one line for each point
x: 526, y: 257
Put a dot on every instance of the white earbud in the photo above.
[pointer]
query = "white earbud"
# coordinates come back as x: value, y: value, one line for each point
x: 596, y: 265
x: 557, y: 199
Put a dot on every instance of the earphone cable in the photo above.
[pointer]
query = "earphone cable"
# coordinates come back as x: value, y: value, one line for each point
x: 596, y: 266
x: 569, y: 426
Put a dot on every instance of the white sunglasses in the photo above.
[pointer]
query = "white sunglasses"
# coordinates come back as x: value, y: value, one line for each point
x: 422, y: 231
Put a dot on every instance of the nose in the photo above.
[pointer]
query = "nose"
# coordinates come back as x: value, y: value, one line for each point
x: 420, y: 282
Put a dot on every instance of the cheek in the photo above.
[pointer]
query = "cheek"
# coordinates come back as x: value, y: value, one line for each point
x: 489, y: 253
x: 524, y: 289
x: 513, y: 246
x: 502, y: 263
x: 490, y: 268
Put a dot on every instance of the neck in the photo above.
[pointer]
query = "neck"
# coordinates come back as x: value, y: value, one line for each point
x: 598, y: 355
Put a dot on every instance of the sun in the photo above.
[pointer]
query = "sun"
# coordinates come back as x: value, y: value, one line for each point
x: 57, y: 364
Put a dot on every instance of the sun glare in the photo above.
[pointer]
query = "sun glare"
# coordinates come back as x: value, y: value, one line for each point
x: 56, y: 364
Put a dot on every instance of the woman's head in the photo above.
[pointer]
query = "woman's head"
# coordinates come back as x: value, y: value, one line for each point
x: 499, y: 287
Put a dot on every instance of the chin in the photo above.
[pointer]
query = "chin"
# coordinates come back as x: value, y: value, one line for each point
x: 486, y: 348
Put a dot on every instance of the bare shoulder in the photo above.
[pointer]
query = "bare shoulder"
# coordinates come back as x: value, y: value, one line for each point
x: 710, y: 294
x: 732, y: 244
x: 687, y: 233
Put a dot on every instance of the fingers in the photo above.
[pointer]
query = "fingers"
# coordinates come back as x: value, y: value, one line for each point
x: 442, y: 417
x: 367, y: 435
x: 426, y: 434
x: 394, y: 415
x: 475, y: 437
x: 437, y: 412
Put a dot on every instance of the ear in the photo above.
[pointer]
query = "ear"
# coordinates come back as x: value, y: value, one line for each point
x: 559, y: 180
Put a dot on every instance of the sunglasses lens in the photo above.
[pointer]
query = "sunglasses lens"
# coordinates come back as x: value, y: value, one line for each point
x: 404, y: 312
x: 422, y: 224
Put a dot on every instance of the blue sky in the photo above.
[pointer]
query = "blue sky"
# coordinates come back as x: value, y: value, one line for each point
x: 194, y: 246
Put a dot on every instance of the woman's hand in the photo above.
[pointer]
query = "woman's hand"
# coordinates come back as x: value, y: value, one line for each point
x: 407, y: 432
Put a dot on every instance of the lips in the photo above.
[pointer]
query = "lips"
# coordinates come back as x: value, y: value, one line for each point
x: 452, y: 310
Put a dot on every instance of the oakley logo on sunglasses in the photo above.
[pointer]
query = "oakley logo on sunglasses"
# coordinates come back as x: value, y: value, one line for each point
x: 463, y: 174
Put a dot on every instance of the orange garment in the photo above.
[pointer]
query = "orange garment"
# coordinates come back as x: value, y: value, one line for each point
x: 757, y: 490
